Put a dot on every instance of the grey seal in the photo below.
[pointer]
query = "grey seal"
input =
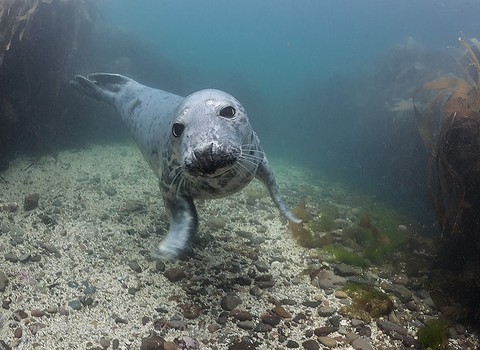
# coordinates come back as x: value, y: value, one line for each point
x: 200, y: 147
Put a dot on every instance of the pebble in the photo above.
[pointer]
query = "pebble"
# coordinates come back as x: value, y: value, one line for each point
x: 271, y: 320
x: 341, y: 294
x: 245, y: 324
x: 31, y: 201
x: 344, y: 270
x: 322, y: 331
x: 361, y: 344
x: 135, y: 266
x: 313, y: 304
x: 17, y: 333
x: 36, y: 313
x: 327, y: 341
x: 261, y: 327
x: 11, y: 257
x: 35, y: 327
x: 291, y: 344
x: 90, y: 290
x: 174, y: 274
x: 104, y: 342
x: 160, y: 265
x: 3, y: 281
x: 115, y: 343
x: 280, y: 311
x: 230, y: 301
x: 393, y: 330
x: 244, y: 316
x: 325, y: 311
x: 261, y: 266
x: 213, y: 327
x: 327, y: 279
x: 311, y: 345
x: 75, y: 304
x: 52, y: 309
x: 24, y: 257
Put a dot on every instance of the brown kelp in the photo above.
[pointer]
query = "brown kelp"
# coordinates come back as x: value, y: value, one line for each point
x: 455, y: 144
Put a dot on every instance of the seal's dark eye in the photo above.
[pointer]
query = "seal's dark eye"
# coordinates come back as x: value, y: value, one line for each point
x: 177, y: 129
x: 227, y: 112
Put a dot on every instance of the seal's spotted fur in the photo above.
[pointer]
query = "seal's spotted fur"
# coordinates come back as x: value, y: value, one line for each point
x: 200, y: 147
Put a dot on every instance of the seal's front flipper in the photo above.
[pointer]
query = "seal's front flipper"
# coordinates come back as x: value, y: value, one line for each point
x: 102, y: 87
x: 183, y: 225
x: 265, y: 174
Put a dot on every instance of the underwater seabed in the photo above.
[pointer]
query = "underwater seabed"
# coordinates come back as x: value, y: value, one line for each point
x: 77, y: 263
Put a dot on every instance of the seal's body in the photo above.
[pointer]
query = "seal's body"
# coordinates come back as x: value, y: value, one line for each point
x: 200, y: 147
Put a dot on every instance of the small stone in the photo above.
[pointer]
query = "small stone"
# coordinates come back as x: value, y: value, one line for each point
x: 356, y: 323
x: 311, y: 345
x: 52, y: 309
x: 104, y: 342
x: 90, y: 290
x: 245, y: 324
x: 261, y: 266
x: 35, y: 327
x: 271, y: 320
x: 3, y: 281
x: 230, y: 301
x: 152, y: 342
x: 361, y: 344
x: 57, y: 203
x: 24, y: 257
x: 280, y: 311
x: 313, y: 304
x: 17, y: 333
x: 120, y: 320
x: 111, y: 191
x: 145, y: 320
x: 327, y: 341
x: 213, y: 327
x: 20, y: 315
x: 115, y: 343
x: 31, y: 201
x: 291, y: 344
x: 191, y: 311
x: 265, y: 284
x: 174, y: 274
x: 261, y: 327
x: 344, y: 270
x: 36, y: 313
x: 135, y: 266
x: 323, y: 331
x: 11, y: 257
x: 244, y: 316
x: 75, y: 304
x: 341, y: 294
x: 160, y: 265
x: 325, y: 311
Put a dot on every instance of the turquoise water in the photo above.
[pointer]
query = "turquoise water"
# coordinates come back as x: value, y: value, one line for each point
x: 314, y: 76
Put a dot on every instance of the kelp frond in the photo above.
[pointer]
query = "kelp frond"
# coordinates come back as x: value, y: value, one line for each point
x: 448, y: 144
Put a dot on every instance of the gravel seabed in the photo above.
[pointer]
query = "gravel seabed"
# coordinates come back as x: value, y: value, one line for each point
x: 88, y: 245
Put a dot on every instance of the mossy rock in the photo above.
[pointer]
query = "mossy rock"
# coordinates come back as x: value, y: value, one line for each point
x: 366, y: 300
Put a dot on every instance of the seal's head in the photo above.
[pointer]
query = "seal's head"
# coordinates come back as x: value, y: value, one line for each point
x: 209, y: 133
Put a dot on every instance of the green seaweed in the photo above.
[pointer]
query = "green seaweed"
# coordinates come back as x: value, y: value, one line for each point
x: 327, y: 219
x: 434, y: 334
x: 343, y: 255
